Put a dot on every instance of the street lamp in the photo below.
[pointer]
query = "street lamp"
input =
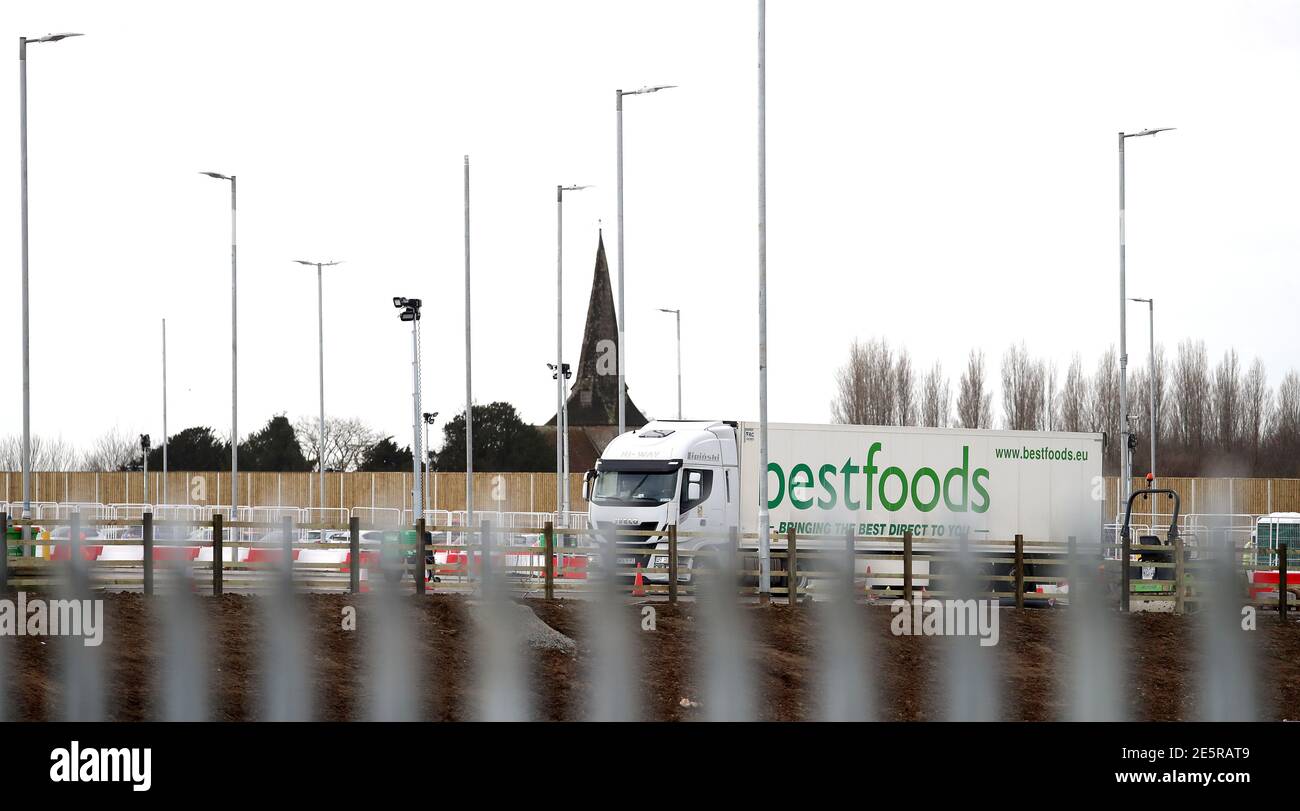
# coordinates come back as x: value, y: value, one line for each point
x: 429, y: 418
x: 622, y: 315
x: 1126, y: 454
x: 561, y: 426
x: 677, y: 313
x: 411, y: 312
x: 234, y: 352
x: 23, y: 42
x: 320, y: 335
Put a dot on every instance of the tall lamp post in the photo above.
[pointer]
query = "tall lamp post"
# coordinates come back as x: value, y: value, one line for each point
x: 320, y: 336
x: 622, y: 315
x: 764, y: 533
x: 678, y: 314
x: 234, y: 351
x: 411, y: 312
x: 561, y: 428
x: 1126, y: 436
x: 23, y: 42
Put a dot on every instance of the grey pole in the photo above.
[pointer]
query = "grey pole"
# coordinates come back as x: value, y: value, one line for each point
x: 164, y: 445
x: 27, y: 379
x: 469, y: 389
x: 561, y: 421
x: 1125, y: 473
x: 417, y: 498
x: 764, y: 536
x: 320, y: 337
x: 234, y: 351
x: 622, y: 313
x: 678, y: 314
x: 1126, y: 457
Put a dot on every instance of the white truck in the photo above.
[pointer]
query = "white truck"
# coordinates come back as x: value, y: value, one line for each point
x: 878, y: 481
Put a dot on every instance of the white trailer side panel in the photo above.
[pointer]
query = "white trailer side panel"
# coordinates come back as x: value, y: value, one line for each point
x: 992, y: 484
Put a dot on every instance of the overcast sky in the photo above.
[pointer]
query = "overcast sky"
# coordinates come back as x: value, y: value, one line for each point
x: 939, y: 173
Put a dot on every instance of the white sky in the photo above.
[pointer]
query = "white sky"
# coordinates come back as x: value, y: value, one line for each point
x: 943, y: 174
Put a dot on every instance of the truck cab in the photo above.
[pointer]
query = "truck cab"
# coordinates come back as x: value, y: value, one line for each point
x: 668, y: 472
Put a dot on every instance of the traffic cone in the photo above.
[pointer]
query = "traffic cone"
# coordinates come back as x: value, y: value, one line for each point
x: 638, y: 587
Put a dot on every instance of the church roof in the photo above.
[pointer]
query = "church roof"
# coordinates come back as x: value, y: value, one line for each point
x: 593, y: 396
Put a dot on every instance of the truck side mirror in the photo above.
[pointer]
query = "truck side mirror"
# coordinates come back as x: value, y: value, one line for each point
x: 587, y: 479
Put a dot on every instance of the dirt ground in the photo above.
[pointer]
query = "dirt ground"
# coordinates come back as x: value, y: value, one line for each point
x: 1033, y: 659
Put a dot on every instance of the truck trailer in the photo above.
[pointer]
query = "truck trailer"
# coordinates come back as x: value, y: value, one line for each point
x: 876, y: 482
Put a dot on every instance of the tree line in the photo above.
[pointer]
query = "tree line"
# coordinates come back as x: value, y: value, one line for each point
x: 502, y: 442
x: 1220, y: 418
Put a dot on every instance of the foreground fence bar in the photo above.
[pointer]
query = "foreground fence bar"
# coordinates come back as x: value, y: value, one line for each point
x: 1125, y: 569
x: 147, y: 535
x: 1020, y: 571
x: 354, y: 550
x: 1281, y: 582
x: 286, y: 530
x: 907, y: 566
x: 792, y: 566
x: 1180, y: 575
x: 218, y: 555
x: 548, y: 547
x: 850, y: 560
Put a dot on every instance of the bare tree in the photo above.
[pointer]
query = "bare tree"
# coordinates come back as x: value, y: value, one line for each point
x: 936, y: 398
x: 1189, y: 405
x: 1023, y: 380
x: 1103, y: 405
x: 866, y: 384
x: 346, y: 440
x: 1225, y: 402
x: 974, y: 400
x: 113, y: 450
x: 47, y: 454
x: 1256, y: 410
x: 1074, y: 401
x: 1284, y: 435
x: 905, y: 399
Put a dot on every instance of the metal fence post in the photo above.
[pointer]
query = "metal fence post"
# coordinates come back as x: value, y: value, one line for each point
x: 147, y: 534
x: 1180, y: 574
x: 354, y: 550
x: 1125, y: 563
x: 792, y: 566
x: 1020, y: 571
x: 218, y: 555
x: 907, y: 566
x: 419, y: 556
x: 548, y: 545
x: 286, y: 527
x: 485, y: 552
x: 672, y: 563
x: 1281, y: 582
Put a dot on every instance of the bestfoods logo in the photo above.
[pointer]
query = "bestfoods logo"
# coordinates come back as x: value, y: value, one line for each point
x: 960, y: 488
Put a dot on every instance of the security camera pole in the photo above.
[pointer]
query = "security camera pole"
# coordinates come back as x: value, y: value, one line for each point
x: 429, y: 418
x: 234, y: 352
x: 144, y: 448
x: 411, y: 312
x: 23, y: 42
x: 678, y: 314
x: 320, y: 335
x: 764, y: 534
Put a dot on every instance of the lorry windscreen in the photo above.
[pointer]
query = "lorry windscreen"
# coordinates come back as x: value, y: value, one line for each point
x: 635, y: 487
